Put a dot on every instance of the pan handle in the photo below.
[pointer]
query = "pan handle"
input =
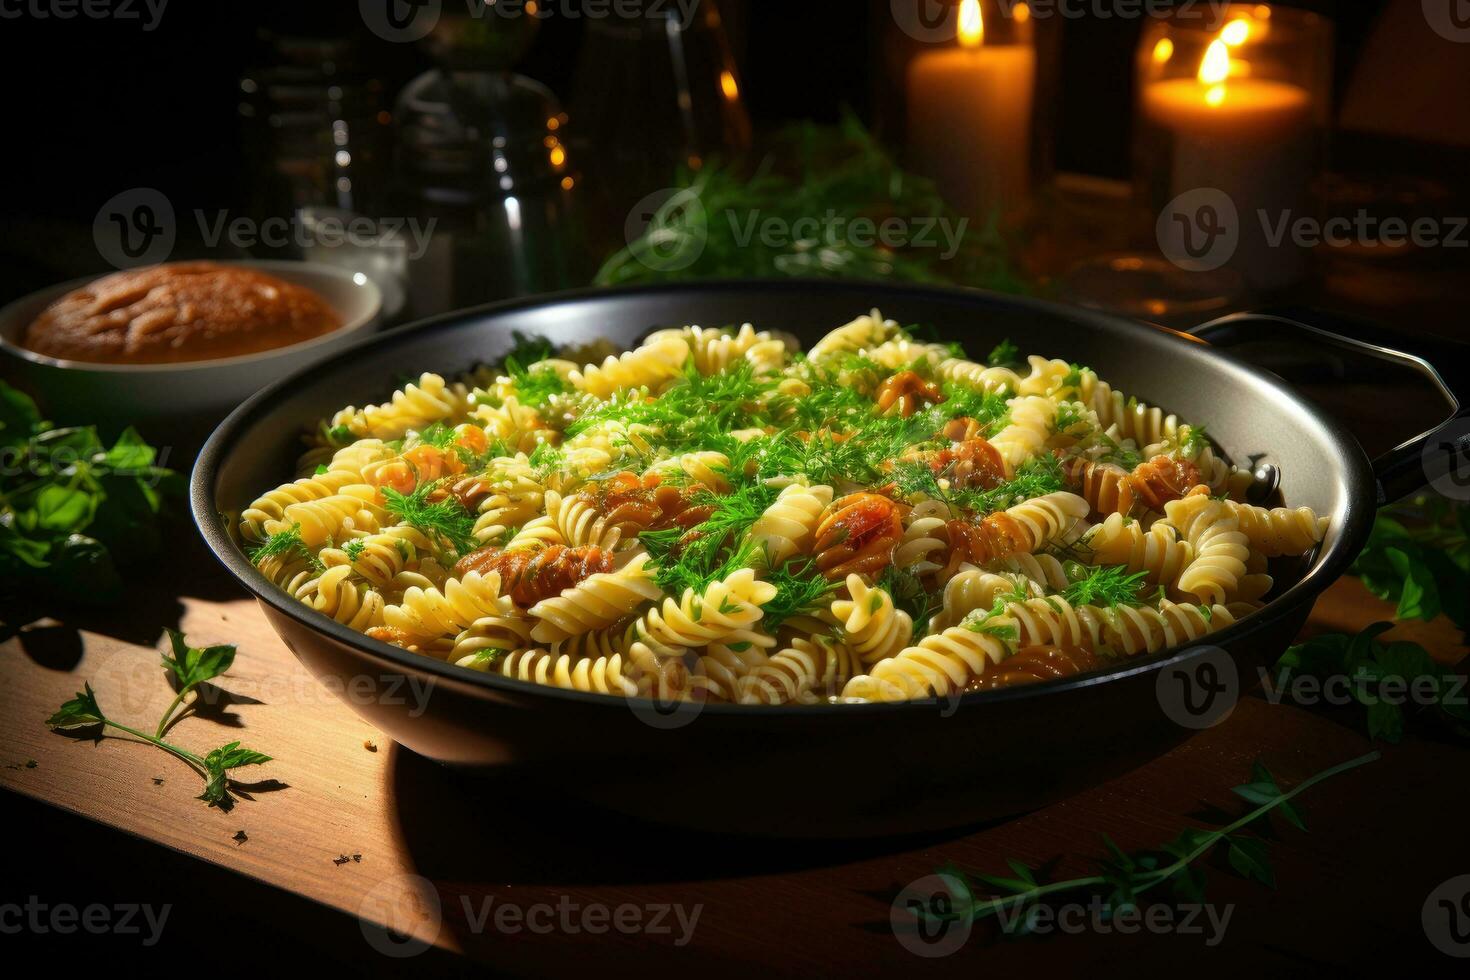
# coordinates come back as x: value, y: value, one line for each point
x: 1439, y: 457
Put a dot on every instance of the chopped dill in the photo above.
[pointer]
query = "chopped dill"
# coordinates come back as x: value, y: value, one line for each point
x: 1195, y: 441
x: 282, y: 544
x: 353, y: 549
x: 1105, y: 587
x: 909, y: 595
x: 1037, y: 477
x: 1005, y: 354
x: 694, y: 558
x: 1069, y: 415
x: 443, y: 520
x: 985, y: 621
x: 800, y: 589
x: 526, y: 351
x: 438, y: 435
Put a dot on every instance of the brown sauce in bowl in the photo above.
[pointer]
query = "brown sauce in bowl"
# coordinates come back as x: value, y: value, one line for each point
x: 185, y: 311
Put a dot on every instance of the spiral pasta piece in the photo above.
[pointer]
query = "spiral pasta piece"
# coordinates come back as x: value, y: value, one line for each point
x: 597, y: 675
x: 924, y: 538
x: 649, y: 366
x: 872, y: 628
x: 1158, y: 552
x: 596, y: 602
x: 725, y: 609
x: 940, y: 665
x: 414, y: 407
x: 807, y: 672
x: 1279, y: 531
x: 430, y: 613
x: 333, y: 594
x: 788, y: 527
x: 1032, y: 418
x: 318, y: 521
x: 271, y: 507
x: 867, y: 331
x: 1220, y: 549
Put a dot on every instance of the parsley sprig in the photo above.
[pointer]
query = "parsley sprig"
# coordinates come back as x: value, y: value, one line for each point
x: 189, y: 667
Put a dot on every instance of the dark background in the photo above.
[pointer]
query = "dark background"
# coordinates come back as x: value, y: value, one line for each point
x: 98, y: 106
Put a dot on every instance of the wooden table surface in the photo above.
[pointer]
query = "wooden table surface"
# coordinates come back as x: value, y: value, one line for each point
x: 361, y: 836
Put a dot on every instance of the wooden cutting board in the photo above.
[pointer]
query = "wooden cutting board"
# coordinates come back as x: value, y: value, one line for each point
x: 377, y: 833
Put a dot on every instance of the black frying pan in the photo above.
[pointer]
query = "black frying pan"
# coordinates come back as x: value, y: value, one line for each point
x: 829, y: 770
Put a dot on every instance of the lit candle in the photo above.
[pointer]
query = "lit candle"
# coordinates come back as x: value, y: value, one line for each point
x: 1248, y: 137
x: 969, y: 118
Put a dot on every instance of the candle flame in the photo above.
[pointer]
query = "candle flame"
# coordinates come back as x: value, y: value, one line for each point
x: 1236, y: 33
x: 1163, y: 51
x: 1022, y: 13
x: 972, y: 24
x: 728, y: 85
x: 1216, y: 65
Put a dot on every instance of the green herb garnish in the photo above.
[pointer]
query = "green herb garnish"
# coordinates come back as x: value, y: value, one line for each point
x: 1382, y: 677
x: 1122, y: 878
x: 189, y: 667
x: 1004, y: 354
x: 445, y: 521
x: 72, y: 509
x: 1105, y: 587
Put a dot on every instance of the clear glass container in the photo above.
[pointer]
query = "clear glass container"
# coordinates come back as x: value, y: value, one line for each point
x: 317, y: 126
x: 480, y: 161
x: 1231, y: 123
x: 656, y: 94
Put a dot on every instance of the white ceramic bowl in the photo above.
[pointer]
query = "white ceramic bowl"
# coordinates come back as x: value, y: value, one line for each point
x: 179, y: 401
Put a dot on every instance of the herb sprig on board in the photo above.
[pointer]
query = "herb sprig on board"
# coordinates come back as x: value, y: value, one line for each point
x: 1124, y: 878
x: 188, y: 667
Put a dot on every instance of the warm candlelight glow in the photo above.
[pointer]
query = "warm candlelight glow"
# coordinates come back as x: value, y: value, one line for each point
x: 1022, y: 13
x: 1215, y: 67
x: 728, y: 86
x: 1236, y: 33
x: 972, y: 24
x: 1163, y: 51
x: 558, y: 156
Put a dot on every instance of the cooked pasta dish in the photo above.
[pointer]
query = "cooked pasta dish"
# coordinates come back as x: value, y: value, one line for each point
x: 716, y: 515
